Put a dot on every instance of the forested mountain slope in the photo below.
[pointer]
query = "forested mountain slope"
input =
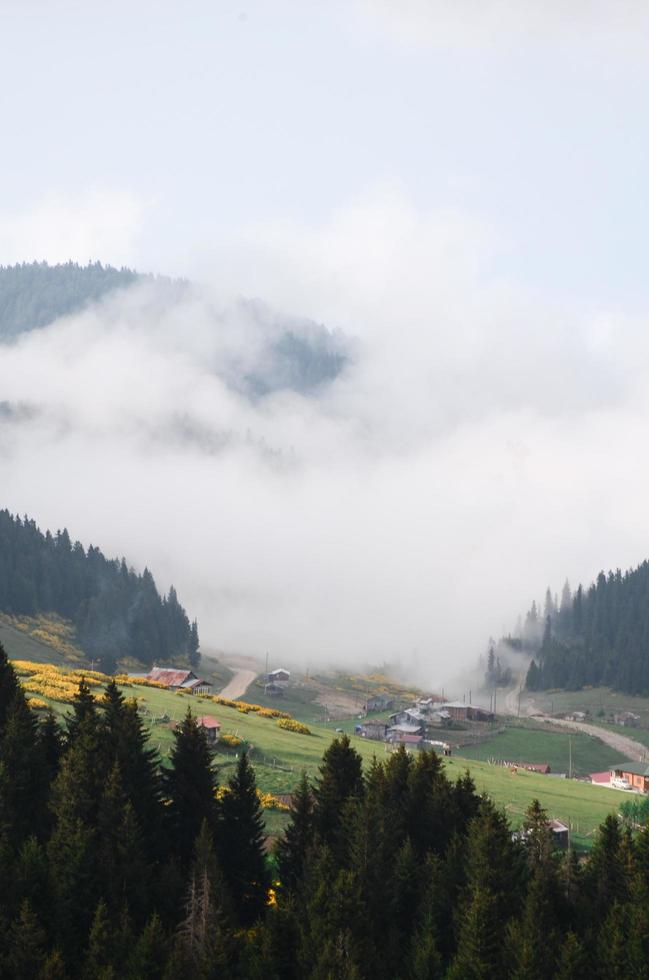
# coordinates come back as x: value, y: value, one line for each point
x: 291, y: 353
x: 117, y: 613
x: 599, y: 635
x: 35, y: 294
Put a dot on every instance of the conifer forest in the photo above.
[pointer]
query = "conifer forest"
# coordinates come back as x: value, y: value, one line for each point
x: 113, y: 866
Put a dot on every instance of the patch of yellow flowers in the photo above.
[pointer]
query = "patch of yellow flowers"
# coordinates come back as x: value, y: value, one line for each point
x: 291, y: 725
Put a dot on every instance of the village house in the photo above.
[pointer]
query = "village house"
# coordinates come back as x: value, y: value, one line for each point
x: 560, y: 834
x: 636, y: 774
x: 460, y: 711
x: 396, y: 732
x: 627, y: 718
x: 379, y: 702
x: 179, y: 680
x: 373, y: 729
x: 211, y: 726
x: 439, y: 719
x: 280, y: 677
x: 576, y: 716
x: 409, y: 740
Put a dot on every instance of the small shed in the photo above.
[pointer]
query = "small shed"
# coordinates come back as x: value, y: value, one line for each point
x: 560, y: 834
x: 211, y: 726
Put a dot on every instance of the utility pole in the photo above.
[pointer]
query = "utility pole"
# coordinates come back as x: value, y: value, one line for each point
x: 267, y: 665
x: 569, y: 756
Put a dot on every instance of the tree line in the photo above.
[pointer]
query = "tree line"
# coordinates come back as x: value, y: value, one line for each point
x: 115, y: 867
x: 116, y: 612
x: 597, y: 635
x: 33, y: 294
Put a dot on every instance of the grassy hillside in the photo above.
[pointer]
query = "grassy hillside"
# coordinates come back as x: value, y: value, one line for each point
x: 522, y: 744
x: 279, y: 756
x: 20, y: 645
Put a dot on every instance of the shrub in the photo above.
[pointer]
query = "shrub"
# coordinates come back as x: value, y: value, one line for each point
x: 232, y: 741
x: 291, y: 725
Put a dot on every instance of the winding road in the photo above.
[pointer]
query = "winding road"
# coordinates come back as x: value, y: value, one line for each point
x: 627, y: 747
x: 239, y: 684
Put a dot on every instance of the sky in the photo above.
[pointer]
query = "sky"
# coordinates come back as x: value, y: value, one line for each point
x: 456, y: 187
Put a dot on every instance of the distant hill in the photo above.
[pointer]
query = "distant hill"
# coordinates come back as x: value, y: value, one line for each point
x: 598, y: 635
x: 35, y: 294
x: 294, y: 354
x: 116, y: 612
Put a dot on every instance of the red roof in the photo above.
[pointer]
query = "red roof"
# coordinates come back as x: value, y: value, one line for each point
x: 409, y: 739
x: 600, y: 777
x: 208, y: 722
x: 169, y: 676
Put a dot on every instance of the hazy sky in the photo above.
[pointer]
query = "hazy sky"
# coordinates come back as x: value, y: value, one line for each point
x: 459, y: 186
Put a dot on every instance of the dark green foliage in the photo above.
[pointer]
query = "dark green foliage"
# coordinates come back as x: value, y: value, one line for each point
x: 116, y: 612
x: 599, y: 635
x: 242, y: 859
x: 34, y: 294
x: 190, y: 786
x: 396, y: 873
x: 340, y: 784
x: 24, y: 786
x: 9, y: 687
x: 298, y: 837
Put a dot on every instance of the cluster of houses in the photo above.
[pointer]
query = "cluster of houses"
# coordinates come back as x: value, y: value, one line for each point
x: 628, y: 719
x: 412, y: 726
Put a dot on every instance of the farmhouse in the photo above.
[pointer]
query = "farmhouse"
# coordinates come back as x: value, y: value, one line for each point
x: 635, y: 773
x: 460, y: 711
x: 396, y: 732
x: 373, y: 729
x: 379, y: 702
x: 627, y: 718
x: 179, y: 680
x: 408, y: 739
x: 274, y: 690
x: 211, y: 726
x: 280, y: 677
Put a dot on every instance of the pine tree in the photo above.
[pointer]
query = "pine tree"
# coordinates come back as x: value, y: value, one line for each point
x: 533, y: 679
x: 480, y: 949
x: 243, y: 858
x: 9, y: 687
x: 98, y: 961
x: 573, y: 962
x: 190, y: 786
x: 298, y: 837
x: 27, y: 945
x: 340, y: 782
x: 127, y: 745
x: 149, y: 955
x: 23, y: 783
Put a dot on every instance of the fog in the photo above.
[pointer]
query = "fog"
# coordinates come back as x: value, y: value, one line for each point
x: 478, y: 445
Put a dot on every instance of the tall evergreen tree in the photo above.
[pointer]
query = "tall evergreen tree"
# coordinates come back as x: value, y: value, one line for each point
x: 243, y: 859
x: 190, y: 786
x: 298, y: 836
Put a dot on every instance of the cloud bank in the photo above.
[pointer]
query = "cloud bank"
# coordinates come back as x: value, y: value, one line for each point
x: 477, y: 445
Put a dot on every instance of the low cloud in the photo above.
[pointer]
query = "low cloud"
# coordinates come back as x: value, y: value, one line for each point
x: 475, y: 445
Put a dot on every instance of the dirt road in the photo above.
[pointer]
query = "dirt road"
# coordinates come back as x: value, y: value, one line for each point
x: 238, y: 684
x: 628, y: 748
